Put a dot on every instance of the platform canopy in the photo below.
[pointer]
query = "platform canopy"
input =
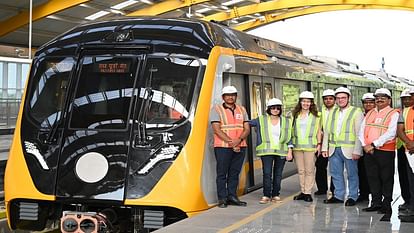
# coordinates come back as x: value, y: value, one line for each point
x: 53, y: 17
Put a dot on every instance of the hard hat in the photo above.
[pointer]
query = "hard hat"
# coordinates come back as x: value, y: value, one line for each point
x: 342, y: 90
x: 229, y: 90
x: 273, y: 102
x: 368, y: 96
x: 405, y: 93
x: 411, y: 90
x: 306, y: 95
x: 328, y: 92
x: 383, y: 91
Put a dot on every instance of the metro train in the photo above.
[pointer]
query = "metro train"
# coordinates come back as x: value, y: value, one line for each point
x: 113, y: 133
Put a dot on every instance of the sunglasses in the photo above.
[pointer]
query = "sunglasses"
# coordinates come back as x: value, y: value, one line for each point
x: 275, y: 107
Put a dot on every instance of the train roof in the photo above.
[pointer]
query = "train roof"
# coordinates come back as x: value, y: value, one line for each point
x: 190, y: 35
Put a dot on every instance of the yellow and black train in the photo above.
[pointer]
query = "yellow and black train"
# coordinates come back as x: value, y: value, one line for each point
x: 113, y: 132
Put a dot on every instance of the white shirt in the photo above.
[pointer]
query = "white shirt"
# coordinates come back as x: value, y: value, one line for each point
x: 276, y: 132
x: 388, y: 135
x: 341, y: 115
x: 303, y: 124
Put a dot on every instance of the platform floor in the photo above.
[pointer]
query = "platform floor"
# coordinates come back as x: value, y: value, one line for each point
x: 5, y: 142
x: 292, y: 216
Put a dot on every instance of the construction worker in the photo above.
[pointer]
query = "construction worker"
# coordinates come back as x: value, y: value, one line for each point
x: 378, y: 138
x: 406, y: 102
x: 321, y: 175
x: 368, y: 103
x: 231, y: 128
x: 406, y: 134
x: 306, y: 140
x: 341, y: 144
x: 273, y: 135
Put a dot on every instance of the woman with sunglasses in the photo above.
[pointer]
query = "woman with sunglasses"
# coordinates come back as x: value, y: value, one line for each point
x: 273, y: 135
x: 306, y: 140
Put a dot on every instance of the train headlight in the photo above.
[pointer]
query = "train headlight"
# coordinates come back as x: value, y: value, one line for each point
x: 168, y: 152
x: 88, y: 225
x: 70, y: 225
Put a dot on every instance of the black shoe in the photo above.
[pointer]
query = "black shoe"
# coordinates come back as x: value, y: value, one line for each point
x: 301, y: 196
x: 406, y: 213
x: 386, y: 217
x: 308, y: 198
x: 371, y: 209
x: 404, y: 206
x: 222, y: 203
x: 332, y: 200
x: 317, y: 193
x: 235, y: 201
x: 350, y: 202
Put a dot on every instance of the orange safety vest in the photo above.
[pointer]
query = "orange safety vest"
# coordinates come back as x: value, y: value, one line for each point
x: 409, y: 122
x: 230, y: 124
x: 376, y: 124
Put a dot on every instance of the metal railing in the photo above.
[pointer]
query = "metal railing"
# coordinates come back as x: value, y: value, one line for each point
x: 9, y: 109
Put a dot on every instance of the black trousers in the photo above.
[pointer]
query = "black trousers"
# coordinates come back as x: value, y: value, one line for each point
x: 380, y: 173
x: 410, y: 174
x: 321, y: 174
x: 363, y: 180
x: 403, y: 174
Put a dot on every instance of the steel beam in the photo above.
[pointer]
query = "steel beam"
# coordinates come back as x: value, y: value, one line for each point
x: 287, y: 4
x: 165, y: 6
x: 273, y: 17
x: 39, y: 12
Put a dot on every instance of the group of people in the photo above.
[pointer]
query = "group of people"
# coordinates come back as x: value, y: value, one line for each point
x: 362, y: 143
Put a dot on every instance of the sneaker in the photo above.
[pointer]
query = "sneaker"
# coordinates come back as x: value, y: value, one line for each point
x: 264, y: 200
x: 276, y: 199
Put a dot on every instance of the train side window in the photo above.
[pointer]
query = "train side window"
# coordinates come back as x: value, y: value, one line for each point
x: 256, y: 100
x: 48, y: 90
x: 290, y: 97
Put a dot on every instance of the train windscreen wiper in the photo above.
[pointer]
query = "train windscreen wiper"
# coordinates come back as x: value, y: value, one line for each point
x: 146, y: 94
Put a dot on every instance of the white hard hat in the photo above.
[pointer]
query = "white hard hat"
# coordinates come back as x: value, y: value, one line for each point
x: 229, y: 90
x: 342, y: 90
x: 405, y: 93
x: 368, y: 96
x: 328, y: 92
x: 273, y: 102
x: 306, y: 95
x: 411, y: 90
x: 383, y: 91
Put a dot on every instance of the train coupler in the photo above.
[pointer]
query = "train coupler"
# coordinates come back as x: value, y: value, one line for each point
x: 83, y: 222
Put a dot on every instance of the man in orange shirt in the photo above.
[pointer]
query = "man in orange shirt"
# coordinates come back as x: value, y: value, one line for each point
x: 378, y: 138
x: 231, y: 128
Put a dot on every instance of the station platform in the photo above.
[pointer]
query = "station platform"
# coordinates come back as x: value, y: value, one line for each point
x: 292, y: 216
x: 5, y: 142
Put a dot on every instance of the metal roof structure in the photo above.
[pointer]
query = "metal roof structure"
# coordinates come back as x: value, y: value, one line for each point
x: 54, y: 17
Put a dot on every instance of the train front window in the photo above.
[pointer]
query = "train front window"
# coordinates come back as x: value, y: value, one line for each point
x: 171, y: 81
x: 49, y: 86
x: 104, y: 92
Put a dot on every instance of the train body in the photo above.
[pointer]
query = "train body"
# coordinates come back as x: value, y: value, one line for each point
x: 113, y: 132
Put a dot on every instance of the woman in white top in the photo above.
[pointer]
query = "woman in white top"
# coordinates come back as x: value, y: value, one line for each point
x: 306, y: 140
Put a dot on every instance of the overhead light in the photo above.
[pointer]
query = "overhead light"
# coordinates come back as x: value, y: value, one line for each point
x: 231, y: 2
x: 147, y: 2
x: 203, y: 10
x: 122, y: 5
x: 97, y: 15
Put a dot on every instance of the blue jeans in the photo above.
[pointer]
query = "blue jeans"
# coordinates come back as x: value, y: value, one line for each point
x: 229, y: 164
x: 336, y: 167
x: 276, y: 163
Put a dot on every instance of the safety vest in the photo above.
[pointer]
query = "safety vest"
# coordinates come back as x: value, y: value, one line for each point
x: 308, y: 141
x: 230, y: 124
x: 268, y: 145
x: 325, y: 115
x: 408, y: 115
x: 346, y: 137
x: 376, y: 124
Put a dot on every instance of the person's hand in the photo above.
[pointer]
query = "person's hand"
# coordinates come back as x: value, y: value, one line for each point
x: 355, y: 156
x: 289, y: 156
x: 318, y: 149
x: 325, y: 154
x: 410, y: 146
x: 236, y: 149
x: 235, y: 142
x: 369, y: 149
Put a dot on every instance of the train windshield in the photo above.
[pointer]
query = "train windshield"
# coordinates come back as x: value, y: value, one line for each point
x: 169, y: 89
x: 48, y: 91
x: 104, y: 91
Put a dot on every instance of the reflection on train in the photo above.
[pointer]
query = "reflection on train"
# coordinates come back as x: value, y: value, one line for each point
x: 113, y: 134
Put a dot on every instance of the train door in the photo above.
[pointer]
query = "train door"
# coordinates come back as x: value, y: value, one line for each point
x: 95, y: 145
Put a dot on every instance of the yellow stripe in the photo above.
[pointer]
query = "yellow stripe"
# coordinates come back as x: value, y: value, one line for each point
x: 252, y: 217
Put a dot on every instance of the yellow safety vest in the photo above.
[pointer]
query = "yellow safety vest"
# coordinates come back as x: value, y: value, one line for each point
x: 268, y: 146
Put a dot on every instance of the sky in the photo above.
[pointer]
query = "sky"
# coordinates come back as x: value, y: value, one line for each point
x: 359, y: 36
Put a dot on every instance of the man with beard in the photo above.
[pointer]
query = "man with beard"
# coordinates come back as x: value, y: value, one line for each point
x: 378, y: 138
